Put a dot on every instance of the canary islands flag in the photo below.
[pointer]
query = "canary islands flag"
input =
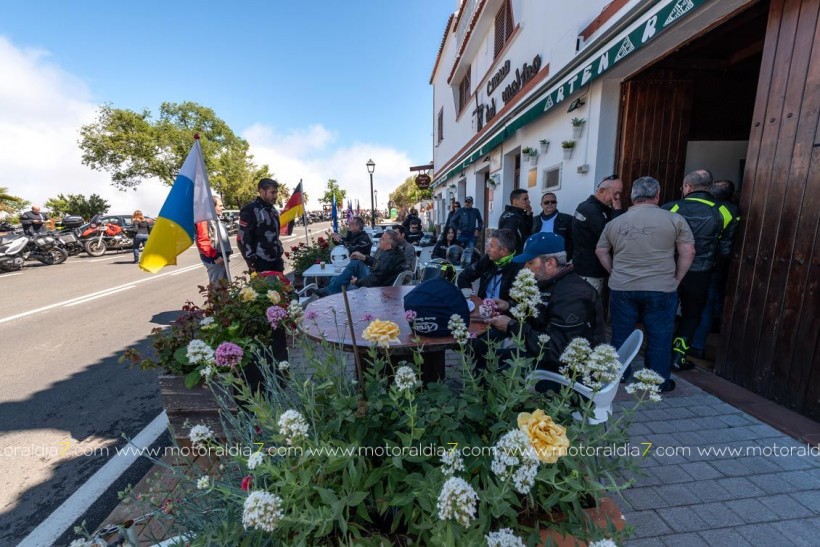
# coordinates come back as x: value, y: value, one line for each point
x: 188, y: 202
x: 293, y: 208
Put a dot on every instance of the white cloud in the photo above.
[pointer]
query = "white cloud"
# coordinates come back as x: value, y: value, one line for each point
x: 42, y: 108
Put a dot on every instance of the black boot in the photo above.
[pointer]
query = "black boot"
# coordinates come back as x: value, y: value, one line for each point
x: 679, y: 362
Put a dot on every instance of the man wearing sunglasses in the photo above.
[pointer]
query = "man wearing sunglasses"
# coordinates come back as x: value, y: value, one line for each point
x: 590, y: 218
x: 551, y: 221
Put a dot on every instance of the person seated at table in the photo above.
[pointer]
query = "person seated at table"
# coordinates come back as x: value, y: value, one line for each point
x: 356, y: 239
x: 447, y: 239
x: 570, y: 308
x: 495, y: 270
x: 370, y: 271
x: 415, y: 234
x: 408, y: 249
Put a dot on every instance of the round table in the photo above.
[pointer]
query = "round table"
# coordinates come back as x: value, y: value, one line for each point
x: 385, y: 303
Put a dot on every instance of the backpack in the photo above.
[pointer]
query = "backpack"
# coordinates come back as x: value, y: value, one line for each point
x: 434, y: 302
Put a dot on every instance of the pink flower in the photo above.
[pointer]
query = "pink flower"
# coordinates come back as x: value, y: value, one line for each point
x: 410, y: 315
x: 247, y: 482
x: 228, y: 354
x: 275, y: 315
x: 257, y: 429
x: 369, y: 317
x: 311, y: 315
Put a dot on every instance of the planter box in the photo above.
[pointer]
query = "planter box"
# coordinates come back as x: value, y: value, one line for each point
x: 576, y: 131
x: 607, y: 511
x: 568, y: 152
x: 544, y: 147
x: 195, y: 406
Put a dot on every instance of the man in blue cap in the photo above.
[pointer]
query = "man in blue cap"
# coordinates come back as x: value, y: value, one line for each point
x: 570, y: 307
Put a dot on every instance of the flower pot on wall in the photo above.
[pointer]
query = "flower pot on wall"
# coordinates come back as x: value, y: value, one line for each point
x: 576, y: 131
x: 544, y: 147
x: 568, y: 153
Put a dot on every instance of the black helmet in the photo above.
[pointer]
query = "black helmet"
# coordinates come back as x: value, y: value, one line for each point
x: 469, y: 257
x: 438, y: 267
x: 454, y: 254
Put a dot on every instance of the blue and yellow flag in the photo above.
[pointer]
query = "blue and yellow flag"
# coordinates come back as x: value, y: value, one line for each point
x: 188, y: 202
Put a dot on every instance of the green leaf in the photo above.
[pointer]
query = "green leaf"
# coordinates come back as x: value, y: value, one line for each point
x: 355, y: 498
x: 328, y: 496
x: 192, y: 379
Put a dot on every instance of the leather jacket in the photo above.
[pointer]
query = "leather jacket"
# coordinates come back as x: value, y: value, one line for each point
x: 485, y: 270
x: 562, y: 227
x: 258, y: 236
x: 712, y: 224
x: 384, y: 268
x: 519, y: 221
x: 359, y: 241
x: 591, y: 216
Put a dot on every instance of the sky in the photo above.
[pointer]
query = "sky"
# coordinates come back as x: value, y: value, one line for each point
x: 317, y: 88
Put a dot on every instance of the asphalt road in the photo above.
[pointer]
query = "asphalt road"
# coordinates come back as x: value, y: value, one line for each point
x: 65, y: 401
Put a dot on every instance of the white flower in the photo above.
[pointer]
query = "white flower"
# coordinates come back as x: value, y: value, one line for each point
x: 263, y: 511
x: 525, y: 291
x: 247, y: 294
x: 274, y: 297
x: 255, y: 459
x: 457, y: 501
x: 452, y: 463
x: 504, y: 538
x: 199, y: 352
x: 514, y: 457
x: 203, y: 483
x: 295, y: 311
x: 283, y: 365
x: 405, y: 378
x: 200, y: 433
x: 543, y: 339
x: 458, y: 329
x: 207, y: 372
x: 649, y: 382
x: 603, y: 543
x: 206, y: 321
x: 596, y: 368
x: 292, y: 425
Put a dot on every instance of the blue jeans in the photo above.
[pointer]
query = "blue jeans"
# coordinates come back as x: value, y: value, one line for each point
x: 139, y: 239
x: 468, y: 239
x: 355, y: 268
x: 657, y: 312
x: 712, y: 309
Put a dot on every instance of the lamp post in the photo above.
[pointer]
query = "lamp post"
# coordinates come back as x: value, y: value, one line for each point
x: 376, y: 197
x: 371, y: 166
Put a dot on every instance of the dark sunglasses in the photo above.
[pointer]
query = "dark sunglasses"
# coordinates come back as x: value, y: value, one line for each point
x: 610, y: 177
x: 549, y: 202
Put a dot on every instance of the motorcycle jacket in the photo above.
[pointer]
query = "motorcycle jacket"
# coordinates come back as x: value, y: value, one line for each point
x: 32, y: 222
x: 587, y: 226
x: 466, y: 221
x: 562, y: 227
x: 519, y: 221
x: 712, y: 224
x: 258, y: 235
x: 486, y: 271
x: 359, y: 241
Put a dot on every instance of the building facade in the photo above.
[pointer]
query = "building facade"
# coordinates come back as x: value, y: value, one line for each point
x: 555, y: 96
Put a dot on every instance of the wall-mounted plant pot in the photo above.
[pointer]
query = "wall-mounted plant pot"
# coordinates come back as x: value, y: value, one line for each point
x: 576, y: 131
x: 568, y: 153
x: 544, y: 147
x: 525, y: 158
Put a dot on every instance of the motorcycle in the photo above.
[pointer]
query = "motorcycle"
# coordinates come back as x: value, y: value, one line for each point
x: 12, y: 246
x: 70, y: 235
x: 100, y: 237
x: 16, y: 248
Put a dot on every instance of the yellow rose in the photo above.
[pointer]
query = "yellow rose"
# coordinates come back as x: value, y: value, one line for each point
x: 547, y: 438
x: 381, y: 332
x: 274, y: 297
x: 247, y: 294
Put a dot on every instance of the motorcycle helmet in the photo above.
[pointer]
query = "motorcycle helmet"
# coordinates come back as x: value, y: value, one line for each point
x: 339, y: 256
x: 454, y: 254
x: 438, y: 267
x: 469, y: 257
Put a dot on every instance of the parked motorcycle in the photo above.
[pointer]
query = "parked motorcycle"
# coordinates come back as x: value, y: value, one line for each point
x: 70, y: 234
x: 100, y: 237
x: 12, y: 246
x: 16, y: 248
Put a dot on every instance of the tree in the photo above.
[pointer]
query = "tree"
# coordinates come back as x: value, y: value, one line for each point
x: 333, y: 190
x: 77, y: 204
x: 131, y: 146
x: 9, y: 203
x: 408, y: 194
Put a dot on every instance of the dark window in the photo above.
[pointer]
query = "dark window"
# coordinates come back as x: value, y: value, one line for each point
x: 464, y: 90
x: 440, y: 126
x: 503, y: 26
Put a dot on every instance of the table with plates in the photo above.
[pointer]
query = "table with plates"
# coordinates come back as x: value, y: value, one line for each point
x: 325, y: 320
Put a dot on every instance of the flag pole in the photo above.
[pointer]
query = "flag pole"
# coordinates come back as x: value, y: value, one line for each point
x: 217, y: 224
x: 304, y: 214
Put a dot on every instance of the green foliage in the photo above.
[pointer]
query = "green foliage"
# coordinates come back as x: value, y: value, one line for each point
x: 567, y: 144
x: 333, y: 190
x: 132, y: 146
x: 577, y: 122
x: 10, y: 203
x: 302, y: 256
x: 408, y: 194
x: 77, y: 204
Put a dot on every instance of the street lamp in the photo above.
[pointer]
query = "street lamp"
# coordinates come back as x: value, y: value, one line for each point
x: 376, y: 197
x: 371, y: 166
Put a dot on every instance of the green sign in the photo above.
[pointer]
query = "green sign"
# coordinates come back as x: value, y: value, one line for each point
x: 653, y: 22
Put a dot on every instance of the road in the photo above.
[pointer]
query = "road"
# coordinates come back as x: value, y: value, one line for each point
x: 65, y: 401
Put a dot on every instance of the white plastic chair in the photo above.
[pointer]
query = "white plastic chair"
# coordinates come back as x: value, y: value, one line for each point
x: 424, y: 257
x: 404, y: 278
x: 603, y: 398
x: 304, y: 300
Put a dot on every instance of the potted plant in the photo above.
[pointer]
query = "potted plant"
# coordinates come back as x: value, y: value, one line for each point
x: 577, y: 127
x: 378, y: 458
x: 568, y: 147
x: 302, y: 256
x: 544, y: 144
x: 529, y: 153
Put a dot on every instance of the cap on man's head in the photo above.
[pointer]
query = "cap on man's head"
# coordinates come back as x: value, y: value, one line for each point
x: 542, y: 243
x: 266, y: 184
x: 468, y: 199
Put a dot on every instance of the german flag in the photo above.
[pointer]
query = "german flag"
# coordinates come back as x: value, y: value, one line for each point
x: 293, y: 208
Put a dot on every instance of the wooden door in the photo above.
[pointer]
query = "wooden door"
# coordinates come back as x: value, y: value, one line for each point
x: 771, y: 322
x: 654, y: 129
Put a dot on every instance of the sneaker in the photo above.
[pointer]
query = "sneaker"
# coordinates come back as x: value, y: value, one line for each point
x: 321, y: 293
x: 679, y: 349
x: 668, y: 386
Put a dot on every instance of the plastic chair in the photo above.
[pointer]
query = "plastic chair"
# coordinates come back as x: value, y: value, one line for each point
x: 424, y: 257
x: 603, y: 398
x: 304, y: 299
x: 404, y: 278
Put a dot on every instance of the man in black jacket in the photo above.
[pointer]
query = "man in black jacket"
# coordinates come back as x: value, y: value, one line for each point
x: 356, y: 239
x: 378, y: 271
x: 258, y: 236
x: 713, y: 227
x: 495, y: 270
x: 467, y: 223
x: 590, y: 218
x: 518, y: 217
x: 569, y: 307
x: 550, y: 220
x: 33, y: 221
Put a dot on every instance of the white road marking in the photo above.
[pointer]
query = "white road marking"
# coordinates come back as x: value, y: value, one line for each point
x: 10, y: 274
x: 106, y: 258
x: 69, y: 301
x: 71, y: 509
x: 84, y: 300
